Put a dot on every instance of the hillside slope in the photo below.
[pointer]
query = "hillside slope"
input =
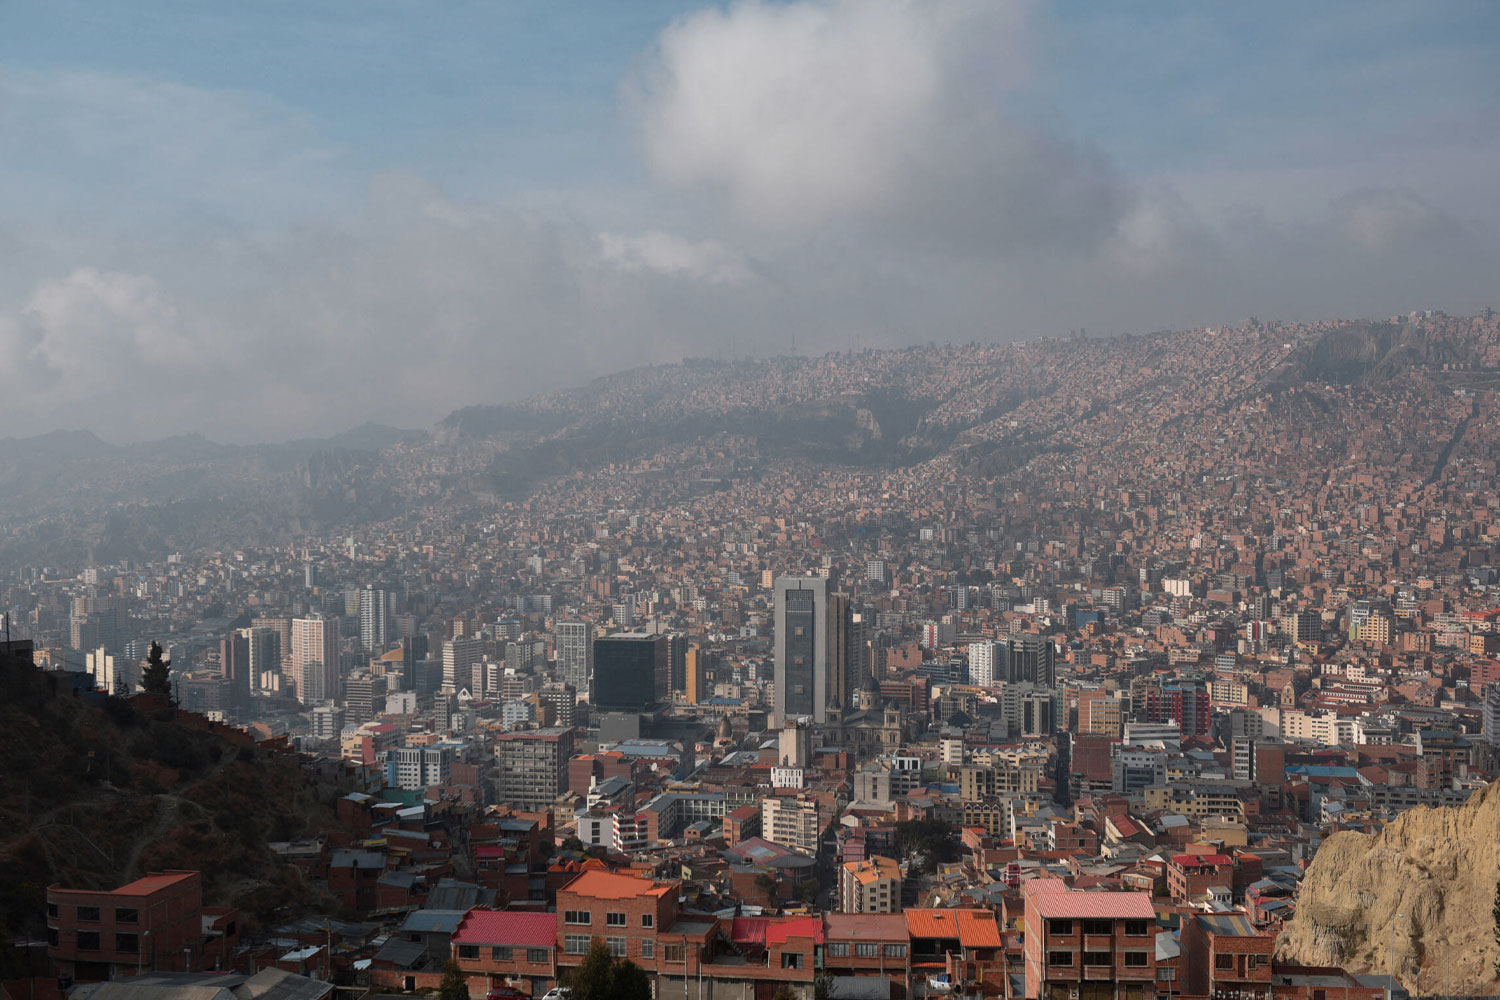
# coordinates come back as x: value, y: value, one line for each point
x: 1425, y: 887
x: 95, y: 796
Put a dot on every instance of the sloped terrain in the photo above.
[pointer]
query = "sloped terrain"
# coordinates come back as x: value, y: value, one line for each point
x: 1416, y: 898
x: 95, y: 796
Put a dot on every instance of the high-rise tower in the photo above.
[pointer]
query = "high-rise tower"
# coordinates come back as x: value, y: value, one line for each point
x: 810, y: 653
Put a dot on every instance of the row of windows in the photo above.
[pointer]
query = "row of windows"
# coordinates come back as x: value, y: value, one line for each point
x: 584, y: 917
x: 93, y: 941
x: 1133, y: 928
x: 504, y: 953
x: 1133, y: 959
x: 865, y: 949
x: 91, y: 914
x: 578, y: 944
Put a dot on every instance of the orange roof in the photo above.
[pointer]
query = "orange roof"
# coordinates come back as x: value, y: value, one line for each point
x: 154, y: 882
x: 614, y: 885
x: 973, y: 928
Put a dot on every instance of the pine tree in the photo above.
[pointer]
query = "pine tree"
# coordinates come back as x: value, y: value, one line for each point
x: 601, y: 977
x: 453, y: 986
x: 155, y: 678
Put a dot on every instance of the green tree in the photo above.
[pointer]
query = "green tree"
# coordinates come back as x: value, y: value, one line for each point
x: 600, y: 977
x: 823, y: 986
x: 155, y: 679
x: 928, y: 840
x: 453, y: 986
x: 784, y: 993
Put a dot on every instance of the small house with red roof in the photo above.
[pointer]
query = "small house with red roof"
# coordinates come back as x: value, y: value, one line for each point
x: 507, y: 948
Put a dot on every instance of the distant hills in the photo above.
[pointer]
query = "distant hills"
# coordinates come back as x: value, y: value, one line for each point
x: 983, y: 411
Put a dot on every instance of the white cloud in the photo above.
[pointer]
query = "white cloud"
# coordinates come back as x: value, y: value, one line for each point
x: 892, y: 113
x: 92, y: 329
x: 666, y: 253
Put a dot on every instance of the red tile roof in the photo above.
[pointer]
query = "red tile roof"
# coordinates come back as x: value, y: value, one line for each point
x: 507, y: 927
x: 775, y: 930
x: 1202, y: 859
x: 972, y: 928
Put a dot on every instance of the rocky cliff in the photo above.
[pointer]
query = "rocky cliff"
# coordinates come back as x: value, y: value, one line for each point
x: 1425, y: 887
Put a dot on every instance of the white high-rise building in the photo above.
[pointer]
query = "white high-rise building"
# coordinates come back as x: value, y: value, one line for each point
x: 315, y: 659
x: 575, y: 654
x: 459, y: 657
x: 982, y: 664
x: 374, y: 619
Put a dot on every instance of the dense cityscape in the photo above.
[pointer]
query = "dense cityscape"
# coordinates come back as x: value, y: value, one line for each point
x: 1037, y: 670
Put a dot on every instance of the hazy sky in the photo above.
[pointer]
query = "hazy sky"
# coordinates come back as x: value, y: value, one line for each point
x: 263, y: 220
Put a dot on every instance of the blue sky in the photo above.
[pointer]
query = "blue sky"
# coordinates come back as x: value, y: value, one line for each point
x: 383, y: 209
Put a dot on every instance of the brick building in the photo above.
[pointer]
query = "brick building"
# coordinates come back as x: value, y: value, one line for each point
x: 510, y: 948
x: 155, y: 922
x: 1225, y: 955
x: 1100, y: 944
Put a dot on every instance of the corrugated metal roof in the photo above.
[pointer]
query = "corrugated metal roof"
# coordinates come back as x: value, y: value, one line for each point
x: 432, y: 921
x: 1094, y: 905
x: 508, y: 927
x: 1228, y: 924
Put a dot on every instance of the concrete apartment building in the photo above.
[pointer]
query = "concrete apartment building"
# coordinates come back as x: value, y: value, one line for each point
x: 533, y: 766
x: 871, y: 885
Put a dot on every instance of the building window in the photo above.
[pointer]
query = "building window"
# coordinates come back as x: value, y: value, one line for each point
x: 648, y: 920
x: 501, y: 953
x: 1061, y: 927
x: 791, y: 960
x: 52, y: 909
x: 127, y: 915
x: 671, y: 953
x: 895, y: 951
x: 1137, y: 928
x: 127, y: 942
x: 617, y: 946
x: 1136, y: 960
x: 866, y: 949
x: 614, y: 920
x: 648, y: 948
x: 536, y: 956
x: 578, y: 917
x: 1098, y: 927
x: 52, y: 938
x: 1223, y: 961
x: 1165, y: 973
x: 1060, y: 958
x: 575, y: 944
x: 88, y: 940
x: 838, y: 949
x: 1096, y: 958
x: 89, y: 914
x: 468, y: 951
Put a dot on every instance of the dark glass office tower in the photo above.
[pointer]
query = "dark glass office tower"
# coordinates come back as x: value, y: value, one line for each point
x: 631, y: 671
